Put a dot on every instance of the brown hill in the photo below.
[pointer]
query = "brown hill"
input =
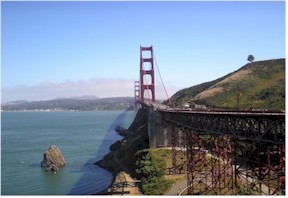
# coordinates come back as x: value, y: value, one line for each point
x: 259, y: 84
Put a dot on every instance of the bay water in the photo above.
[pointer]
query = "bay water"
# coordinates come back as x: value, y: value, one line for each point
x: 82, y: 137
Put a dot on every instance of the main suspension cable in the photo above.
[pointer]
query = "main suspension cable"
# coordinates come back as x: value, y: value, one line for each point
x: 161, y: 79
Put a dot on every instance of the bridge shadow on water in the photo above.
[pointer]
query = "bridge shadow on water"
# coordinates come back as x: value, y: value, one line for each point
x: 94, y: 178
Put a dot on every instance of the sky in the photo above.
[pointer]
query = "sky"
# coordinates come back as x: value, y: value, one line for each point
x: 63, y: 49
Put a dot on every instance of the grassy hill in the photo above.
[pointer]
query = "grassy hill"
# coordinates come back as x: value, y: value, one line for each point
x: 259, y: 84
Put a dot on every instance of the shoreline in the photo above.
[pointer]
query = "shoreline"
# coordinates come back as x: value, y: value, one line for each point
x: 111, y: 163
x: 134, y: 139
x: 116, y: 170
x: 122, y: 184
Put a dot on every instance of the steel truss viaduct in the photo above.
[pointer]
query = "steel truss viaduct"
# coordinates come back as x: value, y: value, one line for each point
x: 229, y: 152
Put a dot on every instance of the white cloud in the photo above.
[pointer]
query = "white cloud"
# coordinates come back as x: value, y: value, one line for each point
x: 52, y: 89
x: 114, y: 87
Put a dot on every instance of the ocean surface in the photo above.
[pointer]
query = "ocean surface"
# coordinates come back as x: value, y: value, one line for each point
x: 82, y: 137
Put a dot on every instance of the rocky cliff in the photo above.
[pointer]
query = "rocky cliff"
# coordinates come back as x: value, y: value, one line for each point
x: 122, y: 153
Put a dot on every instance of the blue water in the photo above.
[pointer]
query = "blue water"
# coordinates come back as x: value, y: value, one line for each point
x: 82, y: 137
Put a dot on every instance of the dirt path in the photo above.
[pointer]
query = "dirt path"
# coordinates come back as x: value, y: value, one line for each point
x: 124, y: 185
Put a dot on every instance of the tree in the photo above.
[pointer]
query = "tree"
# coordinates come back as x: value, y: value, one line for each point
x: 251, y: 58
x: 149, y: 165
x: 151, y: 169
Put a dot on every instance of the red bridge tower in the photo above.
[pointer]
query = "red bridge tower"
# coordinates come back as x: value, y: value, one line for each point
x: 147, y: 82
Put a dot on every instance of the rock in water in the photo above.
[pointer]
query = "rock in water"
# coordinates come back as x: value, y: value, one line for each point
x: 53, y: 159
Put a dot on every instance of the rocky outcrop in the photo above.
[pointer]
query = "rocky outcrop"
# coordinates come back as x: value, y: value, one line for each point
x: 53, y: 159
x: 116, y: 146
x: 122, y: 153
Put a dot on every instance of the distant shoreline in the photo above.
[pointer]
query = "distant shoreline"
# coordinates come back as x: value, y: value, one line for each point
x: 44, y: 111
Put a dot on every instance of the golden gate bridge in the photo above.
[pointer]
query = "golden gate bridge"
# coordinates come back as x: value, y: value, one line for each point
x: 223, y: 151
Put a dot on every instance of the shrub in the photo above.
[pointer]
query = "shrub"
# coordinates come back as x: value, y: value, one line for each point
x: 150, y: 168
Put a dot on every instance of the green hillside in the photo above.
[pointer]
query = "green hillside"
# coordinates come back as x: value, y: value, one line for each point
x: 259, y: 84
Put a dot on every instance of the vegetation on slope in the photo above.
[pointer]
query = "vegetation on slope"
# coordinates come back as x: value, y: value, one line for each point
x: 256, y: 85
x: 151, y: 167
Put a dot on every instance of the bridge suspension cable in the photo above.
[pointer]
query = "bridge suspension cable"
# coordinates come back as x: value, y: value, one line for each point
x: 161, y: 78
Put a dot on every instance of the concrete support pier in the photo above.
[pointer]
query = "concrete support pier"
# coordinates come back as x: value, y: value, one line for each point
x: 159, y: 136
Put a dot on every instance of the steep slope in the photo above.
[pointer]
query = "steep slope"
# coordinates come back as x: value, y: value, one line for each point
x: 256, y: 85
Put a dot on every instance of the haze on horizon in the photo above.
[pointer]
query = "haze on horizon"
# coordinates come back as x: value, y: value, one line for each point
x: 63, y: 49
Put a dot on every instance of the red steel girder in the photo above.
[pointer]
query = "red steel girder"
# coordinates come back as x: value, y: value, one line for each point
x: 178, y: 149
x: 232, y: 154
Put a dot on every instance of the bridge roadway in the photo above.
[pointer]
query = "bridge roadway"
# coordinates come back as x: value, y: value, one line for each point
x: 250, y: 142
x: 254, y: 124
